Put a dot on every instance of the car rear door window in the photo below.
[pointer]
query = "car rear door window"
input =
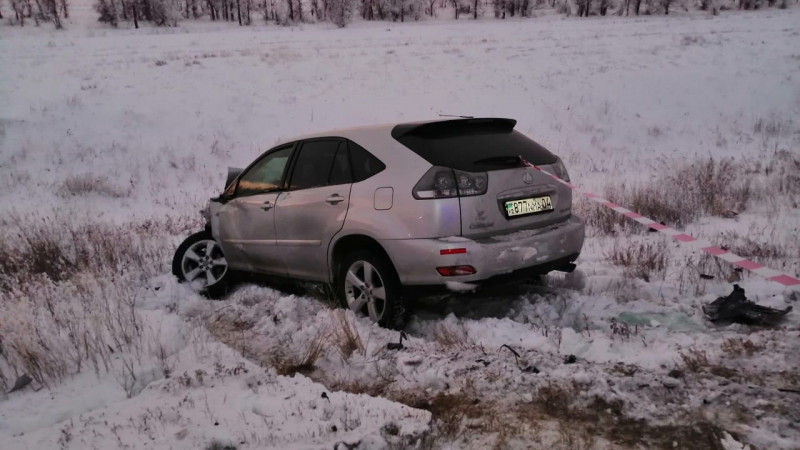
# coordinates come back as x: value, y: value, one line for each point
x: 340, y: 170
x: 320, y: 163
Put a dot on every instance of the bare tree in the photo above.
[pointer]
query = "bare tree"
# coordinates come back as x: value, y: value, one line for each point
x: 341, y: 11
x: 19, y: 11
x: 583, y: 7
x: 135, y: 14
x: 52, y: 7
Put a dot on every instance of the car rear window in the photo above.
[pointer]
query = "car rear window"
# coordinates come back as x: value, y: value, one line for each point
x: 473, y: 145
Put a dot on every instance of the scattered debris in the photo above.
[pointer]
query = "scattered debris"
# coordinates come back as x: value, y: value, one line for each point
x: 706, y: 276
x: 570, y: 359
x: 671, y: 383
x: 730, y: 214
x: 390, y: 429
x: 397, y: 345
x: 736, y: 308
x: 346, y: 445
x: 21, y: 382
x: 525, y: 368
x: 514, y: 352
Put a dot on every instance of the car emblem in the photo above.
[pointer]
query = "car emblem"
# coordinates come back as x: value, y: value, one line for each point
x: 527, y: 178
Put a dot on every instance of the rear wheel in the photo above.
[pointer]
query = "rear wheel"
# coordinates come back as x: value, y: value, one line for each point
x: 367, y: 284
x: 199, y: 261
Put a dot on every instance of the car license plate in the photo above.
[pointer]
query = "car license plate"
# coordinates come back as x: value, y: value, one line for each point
x: 525, y: 206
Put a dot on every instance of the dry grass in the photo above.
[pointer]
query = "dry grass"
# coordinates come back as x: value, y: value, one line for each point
x: 706, y: 187
x: 456, y: 414
x: 305, y: 362
x: 61, y: 247
x: 750, y: 248
x: 68, y: 292
x: 678, y: 195
x: 773, y: 126
x: 695, y: 360
x: 644, y: 260
x: 451, y: 336
x: 581, y: 421
x: 373, y: 388
x: 346, y: 337
x: 87, y: 184
x: 740, y: 347
x: 54, y: 329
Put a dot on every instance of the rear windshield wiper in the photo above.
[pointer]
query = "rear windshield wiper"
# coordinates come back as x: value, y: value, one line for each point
x: 505, y: 161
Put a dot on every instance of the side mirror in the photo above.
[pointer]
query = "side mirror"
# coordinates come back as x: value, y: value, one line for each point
x: 233, y: 172
x: 230, y: 187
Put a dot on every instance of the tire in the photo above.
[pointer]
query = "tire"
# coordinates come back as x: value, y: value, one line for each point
x: 362, y: 278
x: 200, y: 262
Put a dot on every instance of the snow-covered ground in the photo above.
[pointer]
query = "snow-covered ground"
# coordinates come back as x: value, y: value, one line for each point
x: 133, y: 130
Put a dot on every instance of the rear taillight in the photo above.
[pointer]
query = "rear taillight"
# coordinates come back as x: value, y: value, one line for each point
x: 443, y: 182
x: 558, y: 169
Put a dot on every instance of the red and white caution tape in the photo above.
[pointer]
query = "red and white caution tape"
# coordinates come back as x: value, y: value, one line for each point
x: 698, y: 244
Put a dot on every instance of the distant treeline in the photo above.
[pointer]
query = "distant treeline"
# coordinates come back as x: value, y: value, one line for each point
x: 341, y: 12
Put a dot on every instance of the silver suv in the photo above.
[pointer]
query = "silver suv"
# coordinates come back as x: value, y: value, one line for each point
x: 374, y: 210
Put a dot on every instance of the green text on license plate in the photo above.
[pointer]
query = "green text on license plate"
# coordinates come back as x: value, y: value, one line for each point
x: 528, y: 206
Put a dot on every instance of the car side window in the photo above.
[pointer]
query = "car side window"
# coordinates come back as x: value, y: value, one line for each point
x: 320, y: 163
x: 265, y: 175
x: 364, y: 163
x: 340, y: 170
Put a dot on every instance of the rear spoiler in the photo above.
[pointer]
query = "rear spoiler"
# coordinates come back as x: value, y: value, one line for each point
x: 443, y: 128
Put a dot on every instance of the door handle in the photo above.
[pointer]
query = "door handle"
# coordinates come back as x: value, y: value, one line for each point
x: 267, y: 205
x: 334, y: 199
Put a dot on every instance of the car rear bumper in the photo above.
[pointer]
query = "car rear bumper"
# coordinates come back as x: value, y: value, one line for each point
x: 545, y: 248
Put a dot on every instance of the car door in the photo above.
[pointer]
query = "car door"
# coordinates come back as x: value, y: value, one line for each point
x: 244, y: 223
x: 312, y: 208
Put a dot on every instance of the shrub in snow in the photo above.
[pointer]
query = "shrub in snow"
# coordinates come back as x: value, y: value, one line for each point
x: 157, y: 12
x: 108, y: 12
x: 340, y: 12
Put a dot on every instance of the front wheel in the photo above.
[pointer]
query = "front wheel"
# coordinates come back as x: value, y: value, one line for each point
x: 368, y: 284
x: 199, y: 261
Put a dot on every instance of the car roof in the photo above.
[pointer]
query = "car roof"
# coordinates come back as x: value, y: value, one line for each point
x: 383, y: 140
x: 397, y: 130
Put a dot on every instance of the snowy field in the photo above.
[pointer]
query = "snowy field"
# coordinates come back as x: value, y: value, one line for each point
x: 111, y: 141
